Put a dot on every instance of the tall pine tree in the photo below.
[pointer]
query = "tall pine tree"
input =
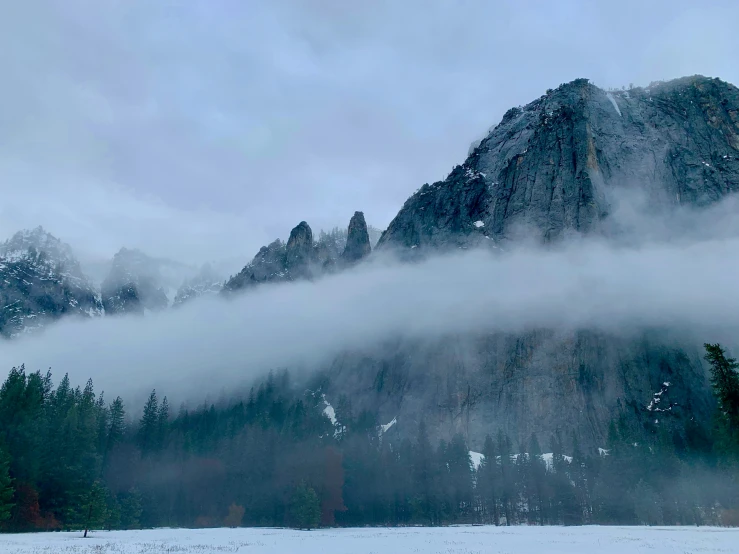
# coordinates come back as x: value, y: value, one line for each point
x: 149, y: 426
x: 725, y: 382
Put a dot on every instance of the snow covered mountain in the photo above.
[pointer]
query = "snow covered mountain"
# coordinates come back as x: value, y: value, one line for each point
x: 41, y: 280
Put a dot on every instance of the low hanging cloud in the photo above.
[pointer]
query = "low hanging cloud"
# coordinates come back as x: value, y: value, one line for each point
x: 683, y: 282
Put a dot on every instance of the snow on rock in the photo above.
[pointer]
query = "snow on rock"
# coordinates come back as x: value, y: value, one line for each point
x: 386, y: 428
x: 473, y: 174
x: 329, y: 411
x: 479, y: 224
x: 653, y: 405
x: 602, y: 451
x: 476, y: 458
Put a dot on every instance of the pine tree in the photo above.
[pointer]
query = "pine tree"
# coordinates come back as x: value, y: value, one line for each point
x: 536, y: 477
x: 725, y: 382
x: 458, y: 477
x: 149, y: 425
x: 6, y: 488
x: 507, y: 477
x: 162, y: 423
x: 423, y: 478
x: 578, y: 475
x: 116, y: 426
x: 131, y: 509
x: 305, y: 507
x: 488, y: 481
x: 96, y: 507
x: 112, y: 512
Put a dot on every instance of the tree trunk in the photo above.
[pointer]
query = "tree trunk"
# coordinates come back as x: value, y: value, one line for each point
x: 87, y: 523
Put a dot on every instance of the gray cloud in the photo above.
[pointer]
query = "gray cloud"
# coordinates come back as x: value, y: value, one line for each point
x: 684, y: 282
x: 205, y: 129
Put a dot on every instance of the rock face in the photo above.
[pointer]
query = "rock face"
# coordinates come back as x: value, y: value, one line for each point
x: 302, y: 257
x: 134, y: 284
x: 41, y: 280
x: 550, y: 169
x: 299, y: 252
x: 358, y: 240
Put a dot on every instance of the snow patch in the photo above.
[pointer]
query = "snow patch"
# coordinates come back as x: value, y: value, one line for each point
x: 657, y: 398
x: 476, y: 458
x: 329, y: 411
x: 473, y: 174
x: 386, y: 428
x: 479, y: 224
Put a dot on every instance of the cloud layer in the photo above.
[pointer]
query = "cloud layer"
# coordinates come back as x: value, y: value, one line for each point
x: 612, y: 282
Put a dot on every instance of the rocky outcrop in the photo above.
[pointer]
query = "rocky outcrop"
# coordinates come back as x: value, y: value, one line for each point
x: 550, y: 168
x: 357, y: 241
x: 299, y: 252
x: 41, y: 280
x: 133, y: 285
x: 302, y: 257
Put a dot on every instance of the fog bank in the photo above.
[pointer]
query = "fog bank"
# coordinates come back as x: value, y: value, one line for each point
x: 213, y: 344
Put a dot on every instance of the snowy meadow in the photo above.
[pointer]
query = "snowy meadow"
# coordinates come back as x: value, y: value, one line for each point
x: 446, y: 540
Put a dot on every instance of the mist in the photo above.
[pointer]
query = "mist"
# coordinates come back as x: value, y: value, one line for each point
x: 612, y: 281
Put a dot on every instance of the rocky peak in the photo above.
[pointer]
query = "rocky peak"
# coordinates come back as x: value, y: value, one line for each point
x: 39, y: 241
x: 133, y: 284
x: 41, y: 280
x: 299, y: 249
x: 358, y: 241
x: 549, y: 168
x: 301, y: 257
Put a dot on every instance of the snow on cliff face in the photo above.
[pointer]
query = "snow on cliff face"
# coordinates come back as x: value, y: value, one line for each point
x: 41, y: 280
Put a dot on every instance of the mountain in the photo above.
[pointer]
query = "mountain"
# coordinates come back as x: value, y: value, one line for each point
x: 549, y: 170
x: 550, y: 166
x: 357, y: 240
x: 137, y: 282
x: 302, y: 257
x: 41, y: 280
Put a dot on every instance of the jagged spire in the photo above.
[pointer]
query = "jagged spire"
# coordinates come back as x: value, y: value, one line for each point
x: 357, y: 241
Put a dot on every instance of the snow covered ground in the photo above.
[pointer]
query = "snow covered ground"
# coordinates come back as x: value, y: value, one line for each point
x: 448, y: 540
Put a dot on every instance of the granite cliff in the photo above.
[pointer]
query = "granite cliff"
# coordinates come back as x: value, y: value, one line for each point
x: 549, y: 170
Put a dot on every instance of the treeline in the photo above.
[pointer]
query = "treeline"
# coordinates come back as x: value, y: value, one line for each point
x: 71, y: 460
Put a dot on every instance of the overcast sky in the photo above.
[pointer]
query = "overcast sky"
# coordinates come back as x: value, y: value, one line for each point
x: 204, y: 129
